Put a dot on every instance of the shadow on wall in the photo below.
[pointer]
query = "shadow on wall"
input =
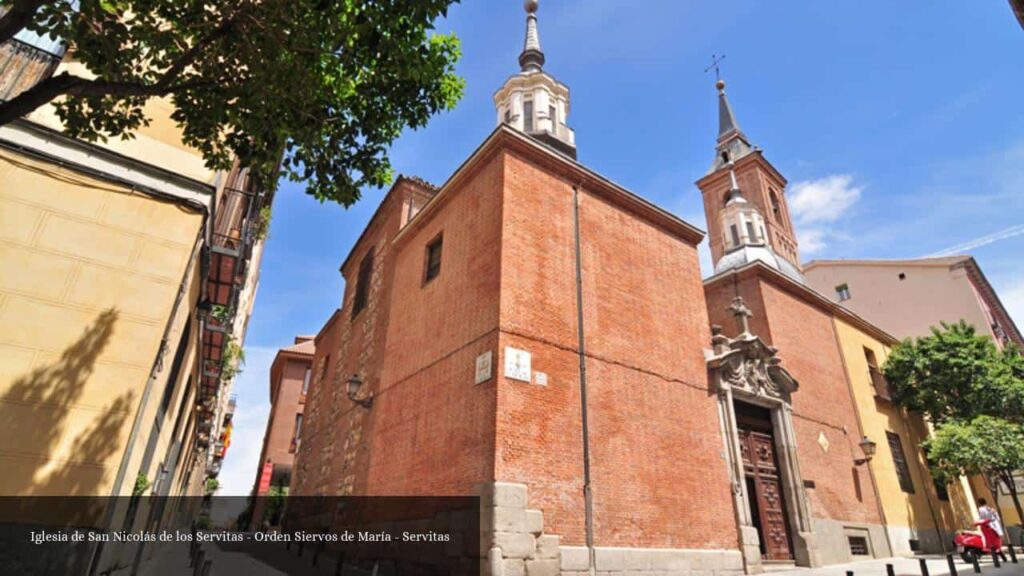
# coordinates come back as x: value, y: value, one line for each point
x: 36, y: 411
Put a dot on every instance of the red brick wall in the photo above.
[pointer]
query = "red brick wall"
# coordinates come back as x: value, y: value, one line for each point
x: 430, y: 429
x: 658, y: 476
x: 806, y: 340
x: 277, y: 440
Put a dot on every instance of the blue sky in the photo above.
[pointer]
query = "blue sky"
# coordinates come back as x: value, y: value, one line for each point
x: 898, y: 124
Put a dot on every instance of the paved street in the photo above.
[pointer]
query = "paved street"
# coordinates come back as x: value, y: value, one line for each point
x: 937, y: 566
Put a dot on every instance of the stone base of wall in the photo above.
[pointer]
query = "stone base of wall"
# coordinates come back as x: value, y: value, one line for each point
x: 513, y: 543
x: 930, y: 541
x: 512, y: 538
x: 575, y: 561
x: 833, y: 540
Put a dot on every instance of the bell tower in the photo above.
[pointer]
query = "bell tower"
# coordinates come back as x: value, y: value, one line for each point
x: 745, y: 202
x: 532, y: 101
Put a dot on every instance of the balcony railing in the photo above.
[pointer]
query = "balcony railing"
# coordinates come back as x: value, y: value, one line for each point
x: 23, y: 65
x: 881, y: 385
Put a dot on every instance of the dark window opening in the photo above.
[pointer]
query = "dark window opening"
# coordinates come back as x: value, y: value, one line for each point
x: 508, y: 116
x: 735, y: 235
x: 751, y: 235
x: 363, y: 284
x: 776, y: 210
x: 297, y: 436
x: 554, y: 119
x: 843, y: 292
x: 433, y: 259
x: 858, y: 546
x: 899, y: 460
x: 325, y: 369
x: 528, y: 116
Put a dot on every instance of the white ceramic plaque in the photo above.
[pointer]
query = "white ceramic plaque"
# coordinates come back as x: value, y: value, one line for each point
x: 517, y: 364
x: 540, y: 378
x: 484, y: 367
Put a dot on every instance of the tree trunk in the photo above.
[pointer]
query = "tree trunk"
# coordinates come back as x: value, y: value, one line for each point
x: 1016, y: 498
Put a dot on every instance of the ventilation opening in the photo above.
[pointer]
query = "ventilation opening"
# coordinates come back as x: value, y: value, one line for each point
x: 915, y: 545
x: 903, y: 276
x: 858, y: 545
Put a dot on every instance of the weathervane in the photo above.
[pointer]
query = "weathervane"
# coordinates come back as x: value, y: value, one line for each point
x: 715, y: 60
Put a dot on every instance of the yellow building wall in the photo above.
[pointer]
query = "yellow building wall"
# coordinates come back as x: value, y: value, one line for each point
x: 158, y: 143
x: 89, y: 272
x: 920, y: 515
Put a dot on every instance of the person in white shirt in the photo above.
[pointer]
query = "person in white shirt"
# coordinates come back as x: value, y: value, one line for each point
x: 993, y: 531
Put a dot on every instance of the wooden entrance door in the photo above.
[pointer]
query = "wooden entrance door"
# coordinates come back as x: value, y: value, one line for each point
x: 765, y: 491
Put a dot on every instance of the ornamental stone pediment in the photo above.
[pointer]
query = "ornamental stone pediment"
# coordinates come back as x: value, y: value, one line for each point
x: 747, y: 364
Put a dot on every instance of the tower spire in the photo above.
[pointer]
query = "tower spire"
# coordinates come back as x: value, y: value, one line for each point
x: 732, y: 143
x: 727, y: 124
x: 532, y: 58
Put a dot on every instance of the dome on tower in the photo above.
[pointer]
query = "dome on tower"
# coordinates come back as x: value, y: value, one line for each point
x: 532, y: 101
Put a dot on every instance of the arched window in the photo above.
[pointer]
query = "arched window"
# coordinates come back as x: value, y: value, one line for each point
x: 776, y: 210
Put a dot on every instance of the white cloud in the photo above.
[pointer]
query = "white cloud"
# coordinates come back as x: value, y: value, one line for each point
x: 811, y: 240
x: 250, y: 422
x: 814, y: 203
x: 823, y: 200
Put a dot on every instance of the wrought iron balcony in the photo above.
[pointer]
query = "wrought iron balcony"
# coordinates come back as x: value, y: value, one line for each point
x: 881, y: 385
x: 23, y: 65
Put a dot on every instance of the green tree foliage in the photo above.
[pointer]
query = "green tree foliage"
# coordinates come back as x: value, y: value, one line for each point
x: 974, y: 394
x: 329, y: 83
x: 956, y: 374
x: 986, y: 446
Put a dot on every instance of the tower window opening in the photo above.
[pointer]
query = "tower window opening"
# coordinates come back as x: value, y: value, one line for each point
x: 735, y: 235
x: 528, y: 116
x: 776, y: 211
x: 751, y: 235
x: 725, y: 156
x: 553, y: 115
x: 508, y: 116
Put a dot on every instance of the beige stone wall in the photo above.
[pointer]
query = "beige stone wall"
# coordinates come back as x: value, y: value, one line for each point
x: 88, y: 275
x: 903, y: 308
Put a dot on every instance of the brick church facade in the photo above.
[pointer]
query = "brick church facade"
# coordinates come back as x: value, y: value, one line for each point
x: 536, y: 334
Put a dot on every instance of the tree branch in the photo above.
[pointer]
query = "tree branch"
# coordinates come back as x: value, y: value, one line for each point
x: 66, y: 84
x: 17, y: 17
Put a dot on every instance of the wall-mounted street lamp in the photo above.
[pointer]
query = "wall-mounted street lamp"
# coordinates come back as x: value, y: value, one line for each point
x: 868, y: 447
x: 354, y: 384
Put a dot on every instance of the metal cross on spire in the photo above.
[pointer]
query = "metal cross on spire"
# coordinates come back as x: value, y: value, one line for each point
x: 715, y: 61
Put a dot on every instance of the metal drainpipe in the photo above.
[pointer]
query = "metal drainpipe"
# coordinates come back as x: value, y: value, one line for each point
x: 588, y: 498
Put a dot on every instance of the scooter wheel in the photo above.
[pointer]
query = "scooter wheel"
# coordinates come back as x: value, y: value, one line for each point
x: 969, y: 555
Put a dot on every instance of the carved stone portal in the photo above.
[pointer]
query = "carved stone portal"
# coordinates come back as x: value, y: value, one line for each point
x: 747, y: 370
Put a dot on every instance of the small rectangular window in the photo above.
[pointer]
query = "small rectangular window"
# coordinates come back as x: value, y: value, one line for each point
x: 297, y: 436
x: 899, y: 460
x: 553, y: 116
x: 433, y: 259
x: 508, y: 116
x: 735, y: 235
x: 858, y: 545
x: 843, y: 292
x: 751, y: 235
x: 363, y: 284
x: 305, y: 379
x: 528, y: 116
x: 324, y: 369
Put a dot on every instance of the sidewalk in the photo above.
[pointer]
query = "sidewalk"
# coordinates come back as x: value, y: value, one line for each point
x: 937, y: 566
